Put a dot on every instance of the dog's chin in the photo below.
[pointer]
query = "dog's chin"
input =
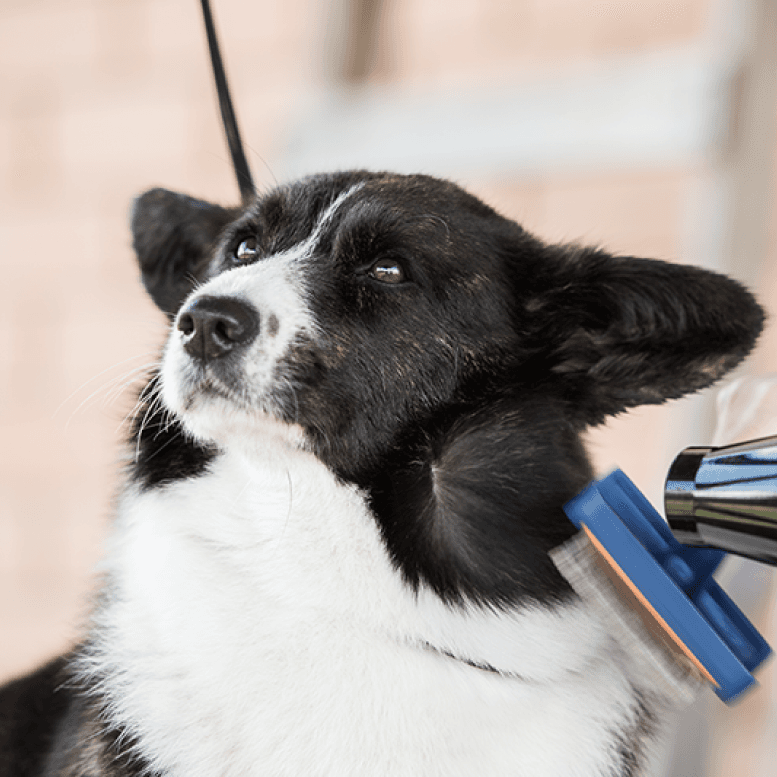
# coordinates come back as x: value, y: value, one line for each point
x: 213, y: 415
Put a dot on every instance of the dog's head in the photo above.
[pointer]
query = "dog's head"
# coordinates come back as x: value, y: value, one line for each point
x: 428, y: 350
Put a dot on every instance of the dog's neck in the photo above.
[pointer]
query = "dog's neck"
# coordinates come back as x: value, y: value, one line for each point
x: 257, y: 603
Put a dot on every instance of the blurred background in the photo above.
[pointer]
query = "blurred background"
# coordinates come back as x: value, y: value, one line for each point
x: 644, y: 127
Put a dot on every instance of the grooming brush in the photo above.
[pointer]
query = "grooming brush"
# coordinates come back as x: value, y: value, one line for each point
x: 658, y: 596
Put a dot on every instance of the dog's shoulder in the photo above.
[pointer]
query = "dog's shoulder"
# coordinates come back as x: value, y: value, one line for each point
x: 31, y: 709
x: 49, y: 728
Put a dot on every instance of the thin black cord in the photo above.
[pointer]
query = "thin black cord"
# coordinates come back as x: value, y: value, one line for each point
x: 245, y: 181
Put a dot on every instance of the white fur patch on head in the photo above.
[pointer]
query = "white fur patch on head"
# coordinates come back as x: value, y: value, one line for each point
x: 209, y: 408
x: 275, y: 290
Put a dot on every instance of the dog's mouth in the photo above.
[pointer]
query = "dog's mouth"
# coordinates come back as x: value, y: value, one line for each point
x: 218, y: 403
x: 203, y: 386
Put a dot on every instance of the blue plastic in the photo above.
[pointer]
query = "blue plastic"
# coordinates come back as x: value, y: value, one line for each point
x: 675, y: 579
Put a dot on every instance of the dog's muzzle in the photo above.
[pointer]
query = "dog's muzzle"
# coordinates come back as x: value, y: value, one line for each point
x: 213, y: 327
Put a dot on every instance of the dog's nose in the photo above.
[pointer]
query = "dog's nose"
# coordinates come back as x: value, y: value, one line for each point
x: 212, y: 327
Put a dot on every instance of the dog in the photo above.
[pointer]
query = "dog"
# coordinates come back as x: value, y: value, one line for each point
x: 330, y: 556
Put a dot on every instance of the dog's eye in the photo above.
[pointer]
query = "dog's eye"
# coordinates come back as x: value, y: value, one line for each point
x: 246, y: 250
x: 388, y: 271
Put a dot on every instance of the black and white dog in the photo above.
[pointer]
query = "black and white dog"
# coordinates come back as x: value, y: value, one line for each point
x: 331, y: 554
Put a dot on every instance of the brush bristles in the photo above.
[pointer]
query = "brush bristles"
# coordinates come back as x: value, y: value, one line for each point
x: 660, y: 665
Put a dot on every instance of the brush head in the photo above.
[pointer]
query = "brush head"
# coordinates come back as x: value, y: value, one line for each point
x: 660, y: 593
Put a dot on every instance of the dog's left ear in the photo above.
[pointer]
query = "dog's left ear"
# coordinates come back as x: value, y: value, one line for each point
x: 173, y: 236
x: 617, y: 332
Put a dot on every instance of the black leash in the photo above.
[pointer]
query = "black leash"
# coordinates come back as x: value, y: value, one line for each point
x: 245, y: 181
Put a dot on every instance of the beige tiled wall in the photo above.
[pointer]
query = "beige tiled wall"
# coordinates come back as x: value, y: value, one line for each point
x: 470, y: 41
x: 100, y: 99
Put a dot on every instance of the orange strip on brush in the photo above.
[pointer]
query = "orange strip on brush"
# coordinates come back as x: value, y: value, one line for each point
x: 647, y: 613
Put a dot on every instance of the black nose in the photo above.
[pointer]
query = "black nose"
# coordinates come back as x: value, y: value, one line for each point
x: 214, y: 326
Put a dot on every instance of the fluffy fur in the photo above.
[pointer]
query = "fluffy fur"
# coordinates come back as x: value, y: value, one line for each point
x: 330, y: 557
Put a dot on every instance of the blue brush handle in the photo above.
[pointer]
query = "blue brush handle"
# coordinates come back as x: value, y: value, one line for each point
x: 676, y: 580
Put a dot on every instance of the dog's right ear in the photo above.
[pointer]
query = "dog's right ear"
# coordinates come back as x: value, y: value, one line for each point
x: 173, y: 236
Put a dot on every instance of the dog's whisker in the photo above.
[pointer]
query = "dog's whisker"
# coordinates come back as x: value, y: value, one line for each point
x: 106, y: 386
x: 113, y: 390
x: 140, y: 403
x: 99, y: 375
x: 169, y: 418
x: 164, y: 445
x: 151, y: 386
x: 129, y: 418
x: 147, y: 392
x: 125, y: 381
x: 161, y: 411
x: 148, y: 414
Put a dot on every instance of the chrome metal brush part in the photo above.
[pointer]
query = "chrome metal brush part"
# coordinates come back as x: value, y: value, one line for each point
x: 726, y: 498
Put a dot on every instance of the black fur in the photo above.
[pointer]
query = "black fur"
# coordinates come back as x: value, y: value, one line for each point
x: 30, y: 711
x: 162, y: 453
x: 51, y: 727
x: 477, y: 487
x: 632, y: 739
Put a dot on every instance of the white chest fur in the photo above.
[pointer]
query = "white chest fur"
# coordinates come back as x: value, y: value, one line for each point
x: 255, y: 625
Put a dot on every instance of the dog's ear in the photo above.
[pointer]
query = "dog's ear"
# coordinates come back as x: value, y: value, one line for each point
x: 173, y: 236
x: 617, y: 332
